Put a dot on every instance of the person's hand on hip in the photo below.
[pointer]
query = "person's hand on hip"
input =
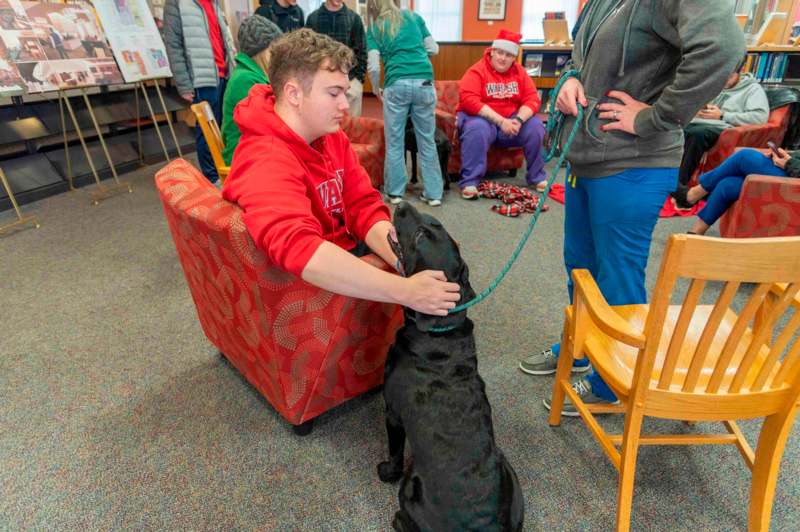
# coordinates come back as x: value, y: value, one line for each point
x: 622, y: 116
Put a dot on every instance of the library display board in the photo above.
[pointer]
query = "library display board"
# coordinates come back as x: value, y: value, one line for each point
x: 134, y: 39
x: 49, y: 47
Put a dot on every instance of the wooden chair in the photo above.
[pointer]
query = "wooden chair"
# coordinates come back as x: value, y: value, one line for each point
x: 208, y: 125
x: 695, y: 362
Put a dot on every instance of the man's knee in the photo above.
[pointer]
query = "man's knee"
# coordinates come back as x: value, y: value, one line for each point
x: 476, y: 126
x: 730, y: 188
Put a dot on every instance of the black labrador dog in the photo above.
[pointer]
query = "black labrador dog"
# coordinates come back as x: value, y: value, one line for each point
x: 459, y: 479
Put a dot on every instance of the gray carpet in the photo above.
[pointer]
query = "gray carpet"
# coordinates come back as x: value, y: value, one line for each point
x: 115, y: 412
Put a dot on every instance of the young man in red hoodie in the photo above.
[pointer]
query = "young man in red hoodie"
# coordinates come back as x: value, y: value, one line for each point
x: 306, y: 199
x: 497, y: 105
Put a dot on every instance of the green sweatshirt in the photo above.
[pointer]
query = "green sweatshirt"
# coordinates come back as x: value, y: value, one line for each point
x: 674, y: 55
x: 246, y: 74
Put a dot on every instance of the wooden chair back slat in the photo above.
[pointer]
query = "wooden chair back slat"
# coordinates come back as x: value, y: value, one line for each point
x: 751, y: 260
x: 210, y: 128
x: 709, y: 332
x: 679, y: 334
x: 760, y: 336
x: 789, y: 372
x: 748, y: 313
x: 775, y: 352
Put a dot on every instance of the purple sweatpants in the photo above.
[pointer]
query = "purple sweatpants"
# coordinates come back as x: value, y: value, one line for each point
x: 478, y: 134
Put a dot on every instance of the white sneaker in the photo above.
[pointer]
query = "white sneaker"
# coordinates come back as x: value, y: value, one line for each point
x: 431, y: 202
x: 394, y: 200
x: 470, y: 192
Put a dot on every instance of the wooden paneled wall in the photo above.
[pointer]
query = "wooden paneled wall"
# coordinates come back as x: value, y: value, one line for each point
x: 454, y: 59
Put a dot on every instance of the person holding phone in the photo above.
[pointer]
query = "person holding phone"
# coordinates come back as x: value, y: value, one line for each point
x: 723, y: 184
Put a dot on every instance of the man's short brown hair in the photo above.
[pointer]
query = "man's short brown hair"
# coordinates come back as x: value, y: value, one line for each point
x: 301, y: 53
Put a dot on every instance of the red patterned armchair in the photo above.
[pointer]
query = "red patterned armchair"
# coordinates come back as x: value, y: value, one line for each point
x: 767, y: 206
x: 447, y: 102
x: 745, y: 136
x: 304, y: 349
x: 368, y: 141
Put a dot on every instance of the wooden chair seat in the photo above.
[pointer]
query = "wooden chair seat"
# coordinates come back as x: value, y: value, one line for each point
x: 615, y: 361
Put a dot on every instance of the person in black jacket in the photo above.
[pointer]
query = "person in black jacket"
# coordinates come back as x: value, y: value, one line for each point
x: 723, y: 184
x: 336, y: 20
x: 286, y: 14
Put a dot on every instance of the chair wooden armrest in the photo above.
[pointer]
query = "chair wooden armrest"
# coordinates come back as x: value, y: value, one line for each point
x: 588, y: 293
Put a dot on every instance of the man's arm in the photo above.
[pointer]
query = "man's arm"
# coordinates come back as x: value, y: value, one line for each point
x: 358, y: 43
x: 173, y: 39
x: 379, y: 244
x: 334, y: 269
x: 755, y: 111
x: 707, y: 59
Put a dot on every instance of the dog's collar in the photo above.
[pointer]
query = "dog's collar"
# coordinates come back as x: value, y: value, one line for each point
x: 434, y: 329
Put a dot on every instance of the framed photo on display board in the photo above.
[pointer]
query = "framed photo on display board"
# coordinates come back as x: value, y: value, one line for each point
x: 491, y: 9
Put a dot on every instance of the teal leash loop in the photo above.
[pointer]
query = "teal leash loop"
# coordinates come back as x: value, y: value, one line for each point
x: 555, y: 123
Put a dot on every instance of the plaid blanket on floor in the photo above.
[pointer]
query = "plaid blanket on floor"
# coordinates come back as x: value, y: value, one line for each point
x: 514, y: 200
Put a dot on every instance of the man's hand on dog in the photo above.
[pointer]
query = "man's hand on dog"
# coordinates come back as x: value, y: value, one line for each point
x: 430, y: 293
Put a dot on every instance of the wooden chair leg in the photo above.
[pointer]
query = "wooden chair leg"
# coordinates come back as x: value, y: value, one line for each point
x: 627, y: 468
x: 563, y: 371
x: 771, y: 443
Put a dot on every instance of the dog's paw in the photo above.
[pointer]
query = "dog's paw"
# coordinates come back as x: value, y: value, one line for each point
x: 388, y: 473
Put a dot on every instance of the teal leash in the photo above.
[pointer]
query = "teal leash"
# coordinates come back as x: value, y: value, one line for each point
x: 555, y: 122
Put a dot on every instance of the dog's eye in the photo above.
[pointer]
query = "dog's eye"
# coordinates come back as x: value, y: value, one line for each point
x: 437, y: 224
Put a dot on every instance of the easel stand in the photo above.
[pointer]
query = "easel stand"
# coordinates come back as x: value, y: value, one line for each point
x: 102, y: 192
x: 21, y: 220
x: 142, y: 85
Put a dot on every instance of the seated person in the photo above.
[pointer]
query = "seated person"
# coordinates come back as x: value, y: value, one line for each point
x: 306, y: 199
x: 742, y: 102
x: 255, y: 35
x: 497, y: 104
x: 723, y: 184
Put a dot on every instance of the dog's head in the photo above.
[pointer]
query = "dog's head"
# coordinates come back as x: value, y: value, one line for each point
x: 424, y: 244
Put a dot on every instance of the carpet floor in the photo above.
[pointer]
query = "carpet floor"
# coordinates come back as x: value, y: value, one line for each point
x: 116, y: 413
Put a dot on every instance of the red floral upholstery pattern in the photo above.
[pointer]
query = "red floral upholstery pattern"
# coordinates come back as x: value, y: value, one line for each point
x: 305, y: 350
x: 447, y: 102
x: 745, y: 136
x: 368, y: 141
x: 767, y: 206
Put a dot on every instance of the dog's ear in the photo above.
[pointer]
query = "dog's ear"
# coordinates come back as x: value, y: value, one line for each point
x: 426, y: 322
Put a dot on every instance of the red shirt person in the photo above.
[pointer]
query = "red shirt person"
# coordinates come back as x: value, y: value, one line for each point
x: 306, y: 199
x: 497, y: 106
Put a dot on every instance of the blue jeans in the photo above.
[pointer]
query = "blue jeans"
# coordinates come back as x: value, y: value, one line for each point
x: 417, y: 97
x: 724, y: 183
x: 608, y: 226
x: 212, y: 95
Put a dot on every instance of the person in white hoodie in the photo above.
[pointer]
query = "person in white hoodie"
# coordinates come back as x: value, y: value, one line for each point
x: 742, y: 102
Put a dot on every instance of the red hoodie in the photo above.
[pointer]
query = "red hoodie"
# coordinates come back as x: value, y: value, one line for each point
x: 505, y: 93
x: 295, y: 195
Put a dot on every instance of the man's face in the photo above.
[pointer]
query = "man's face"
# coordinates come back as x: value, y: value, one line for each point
x: 334, y: 5
x: 501, y: 60
x: 733, y: 79
x: 324, y: 106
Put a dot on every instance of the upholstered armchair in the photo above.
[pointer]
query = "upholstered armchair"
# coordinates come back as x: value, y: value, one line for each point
x: 447, y: 102
x: 368, y: 141
x: 767, y: 206
x: 304, y: 349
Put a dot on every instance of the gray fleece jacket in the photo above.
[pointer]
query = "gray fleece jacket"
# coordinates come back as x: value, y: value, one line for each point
x: 744, y: 103
x: 674, y: 55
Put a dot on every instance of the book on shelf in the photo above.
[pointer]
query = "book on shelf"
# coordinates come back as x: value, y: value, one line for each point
x: 554, y: 15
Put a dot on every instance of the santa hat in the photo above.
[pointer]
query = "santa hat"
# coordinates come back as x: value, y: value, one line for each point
x: 507, y: 41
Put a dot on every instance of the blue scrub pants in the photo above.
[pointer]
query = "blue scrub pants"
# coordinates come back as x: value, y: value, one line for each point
x: 608, y: 227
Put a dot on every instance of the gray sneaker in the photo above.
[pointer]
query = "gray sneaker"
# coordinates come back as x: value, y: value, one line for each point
x: 584, y: 390
x: 545, y: 363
